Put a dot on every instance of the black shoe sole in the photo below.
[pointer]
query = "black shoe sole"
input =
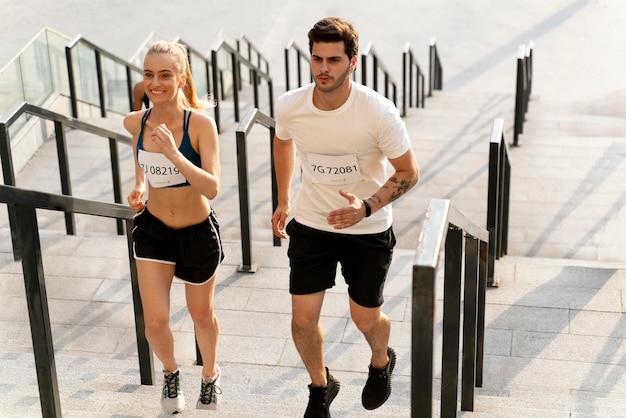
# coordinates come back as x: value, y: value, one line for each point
x: 334, y: 392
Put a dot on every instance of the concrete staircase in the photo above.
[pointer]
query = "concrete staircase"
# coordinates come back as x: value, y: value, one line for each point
x: 555, y: 330
x: 554, y: 340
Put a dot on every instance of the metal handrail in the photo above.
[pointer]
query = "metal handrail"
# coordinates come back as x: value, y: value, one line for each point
x: 301, y: 56
x: 435, y: 76
x: 61, y: 122
x: 411, y: 73
x: 498, y: 196
x: 465, y: 244
x: 523, y: 88
x: 25, y: 203
x: 99, y: 53
x: 261, y: 61
x: 377, y: 66
x: 236, y: 61
x: 253, y: 117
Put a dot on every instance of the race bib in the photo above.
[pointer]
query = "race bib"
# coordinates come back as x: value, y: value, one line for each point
x: 159, y: 171
x: 334, y: 169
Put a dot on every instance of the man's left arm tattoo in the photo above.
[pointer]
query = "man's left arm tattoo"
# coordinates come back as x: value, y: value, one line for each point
x: 400, y: 188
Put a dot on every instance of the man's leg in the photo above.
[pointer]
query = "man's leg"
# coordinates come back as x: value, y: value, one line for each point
x: 308, y: 336
x: 376, y: 328
x: 309, y: 340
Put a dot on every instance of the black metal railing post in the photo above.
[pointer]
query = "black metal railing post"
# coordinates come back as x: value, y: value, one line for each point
x: 523, y: 87
x: 100, y: 78
x: 435, y: 76
x: 470, y: 322
x: 407, y: 100
x: 253, y: 116
x: 146, y: 359
x: 451, y: 321
x: 244, y: 204
x: 499, y: 180
x: 465, y: 245
x: 217, y: 94
x: 480, y: 310
x: 130, y: 87
x: 64, y: 172
x: 529, y: 69
x: 411, y: 82
x: 71, y: 79
x: 422, y: 340
x: 117, y: 179
x: 8, y: 174
x: 236, y: 83
x: 37, y: 301
x: 272, y: 131
x: 520, y: 96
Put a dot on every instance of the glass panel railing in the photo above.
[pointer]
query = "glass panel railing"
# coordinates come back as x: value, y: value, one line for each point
x: 200, y: 74
x: 58, y: 62
x: 99, y: 79
x: 36, y: 74
x: 115, y: 85
x: 21, y: 121
x: 86, y: 74
x: 35, y: 67
x: 11, y: 90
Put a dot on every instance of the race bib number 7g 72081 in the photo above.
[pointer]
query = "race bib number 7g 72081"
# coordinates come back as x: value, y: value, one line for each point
x: 334, y: 169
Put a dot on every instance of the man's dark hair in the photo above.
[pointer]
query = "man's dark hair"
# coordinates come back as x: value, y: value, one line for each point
x: 334, y: 29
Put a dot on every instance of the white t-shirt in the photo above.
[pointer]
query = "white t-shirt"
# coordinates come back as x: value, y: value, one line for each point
x: 342, y: 149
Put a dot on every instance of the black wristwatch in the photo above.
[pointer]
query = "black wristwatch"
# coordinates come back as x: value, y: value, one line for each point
x: 368, y: 208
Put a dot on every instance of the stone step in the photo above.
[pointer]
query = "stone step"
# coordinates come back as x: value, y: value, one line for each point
x: 106, y: 387
x: 540, y: 406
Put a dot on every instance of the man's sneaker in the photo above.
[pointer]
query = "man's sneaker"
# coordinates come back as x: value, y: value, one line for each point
x: 378, y: 386
x: 321, y: 398
x: 172, y: 399
x: 210, y: 393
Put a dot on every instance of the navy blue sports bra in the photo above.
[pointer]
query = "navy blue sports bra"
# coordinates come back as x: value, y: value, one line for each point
x: 163, y: 173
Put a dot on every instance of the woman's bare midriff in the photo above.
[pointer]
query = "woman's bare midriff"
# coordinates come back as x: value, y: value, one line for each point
x: 178, y: 207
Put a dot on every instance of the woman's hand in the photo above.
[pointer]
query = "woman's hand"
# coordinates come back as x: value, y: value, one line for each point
x: 135, y: 198
x: 164, y: 139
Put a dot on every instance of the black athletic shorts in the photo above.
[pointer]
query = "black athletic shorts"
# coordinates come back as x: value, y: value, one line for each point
x: 196, y: 250
x: 365, y: 260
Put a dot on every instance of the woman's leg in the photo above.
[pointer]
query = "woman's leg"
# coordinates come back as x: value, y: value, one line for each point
x: 155, y: 282
x: 201, y: 308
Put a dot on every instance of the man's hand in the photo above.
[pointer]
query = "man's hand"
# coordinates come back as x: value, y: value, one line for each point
x: 348, y: 215
x: 278, y: 220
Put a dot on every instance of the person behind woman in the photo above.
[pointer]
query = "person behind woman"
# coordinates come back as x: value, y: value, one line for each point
x: 140, y: 97
x: 176, y: 233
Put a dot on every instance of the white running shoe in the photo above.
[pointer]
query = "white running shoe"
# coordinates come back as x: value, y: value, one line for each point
x: 210, y: 392
x: 172, y: 398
